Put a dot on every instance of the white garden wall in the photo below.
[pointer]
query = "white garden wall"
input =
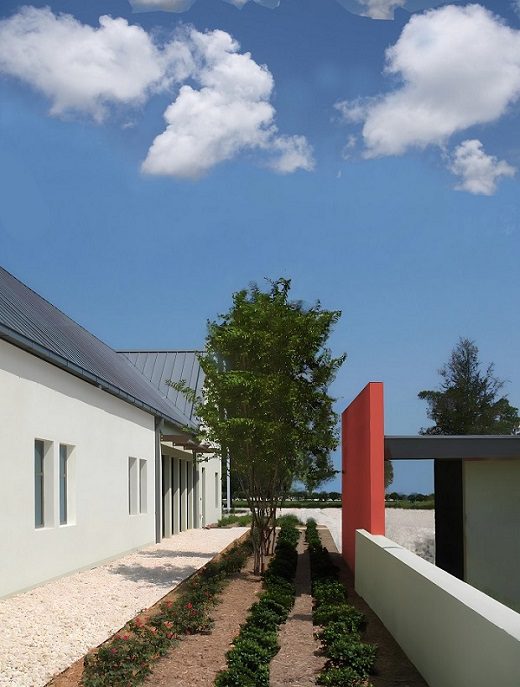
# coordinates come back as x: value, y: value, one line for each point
x: 492, y: 528
x: 40, y: 401
x: 454, y: 634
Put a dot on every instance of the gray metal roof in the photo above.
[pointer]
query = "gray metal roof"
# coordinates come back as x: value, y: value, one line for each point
x: 452, y: 447
x: 30, y: 322
x: 162, y: 366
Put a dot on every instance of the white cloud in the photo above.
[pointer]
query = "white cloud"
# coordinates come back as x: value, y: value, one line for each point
x: 82, y: 68
x: 184, y: 5
x: 229, y: 113
x: 349, y: 146
x: 161, y: 5
x: 459, y: 66
x: 478, y: 171
x: 381, y: 9
x: 354, y: 111
x: 295, y: 153
x: 86, y: 70
x: 375, y: 9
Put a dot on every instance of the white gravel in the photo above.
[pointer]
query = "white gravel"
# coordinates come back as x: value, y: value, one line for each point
x: 48, y: 628
x: 412, y: 529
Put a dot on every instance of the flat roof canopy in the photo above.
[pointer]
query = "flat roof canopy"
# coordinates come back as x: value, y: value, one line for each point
x: 427, y: 447
x: 187, y: 443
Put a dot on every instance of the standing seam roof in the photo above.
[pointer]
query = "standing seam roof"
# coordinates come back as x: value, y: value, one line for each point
x: 162, y: 366
x: 30, y: 322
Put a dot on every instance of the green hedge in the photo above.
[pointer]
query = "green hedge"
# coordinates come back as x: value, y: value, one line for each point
x: 248, y: 661
x: 349, y: 660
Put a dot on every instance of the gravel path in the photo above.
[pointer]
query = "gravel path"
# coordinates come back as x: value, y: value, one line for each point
x: 413, y: 529
x: 48, y: 628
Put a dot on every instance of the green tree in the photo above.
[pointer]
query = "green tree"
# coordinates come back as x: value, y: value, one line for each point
x: 266, y: 401
x: 389, y: 473
x: 469, y: 400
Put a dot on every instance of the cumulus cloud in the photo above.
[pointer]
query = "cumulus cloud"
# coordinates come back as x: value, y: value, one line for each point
x: 82, y: 68
x: 229, y: 113
x: 478, y: 171
x: 458, y: 67
x: 224, y: 109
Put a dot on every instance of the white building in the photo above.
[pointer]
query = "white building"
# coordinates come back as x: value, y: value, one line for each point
x: 96, y: 459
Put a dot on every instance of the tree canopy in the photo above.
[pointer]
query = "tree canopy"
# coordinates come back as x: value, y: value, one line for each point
x: 266, y: 403
x: 469, y: 400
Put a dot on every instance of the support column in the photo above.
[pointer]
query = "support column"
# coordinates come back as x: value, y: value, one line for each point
x: 449, y: 517
x: 184, y: 496
x: 176, y: 528
x: 167, y: 497
x: 203, y: 496
x: 190, y: 499
x: 196, y: 494
x: 158, y: 481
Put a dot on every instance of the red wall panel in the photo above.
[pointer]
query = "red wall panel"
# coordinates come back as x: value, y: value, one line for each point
x: 363, y: 482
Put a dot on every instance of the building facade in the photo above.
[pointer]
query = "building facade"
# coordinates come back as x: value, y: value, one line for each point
x: 95, y: 460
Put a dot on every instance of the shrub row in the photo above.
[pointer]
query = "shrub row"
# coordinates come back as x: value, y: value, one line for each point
x: 256, y: 644
x: 127, y: 659
x: 349, y: 660
x: 235, y: 520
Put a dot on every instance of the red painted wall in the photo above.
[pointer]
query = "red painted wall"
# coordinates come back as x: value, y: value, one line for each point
x: 363, y: 481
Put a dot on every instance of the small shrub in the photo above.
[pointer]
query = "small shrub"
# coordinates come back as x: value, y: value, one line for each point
x: 267, y: 601
x: 349, y: 652
x: 240, y: 676
x: 288, y: 520
x: 235, y: 520
x: 343, y: 613
x: 247, y: 652
x: 267, y: 640
x: 341, y: 677
x: 263, y: 616
x: 328, y: 592
x: 337, y: 630
x: 280, y: 594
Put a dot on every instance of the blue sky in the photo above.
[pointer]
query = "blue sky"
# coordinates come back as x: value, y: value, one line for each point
x: 153, y: 162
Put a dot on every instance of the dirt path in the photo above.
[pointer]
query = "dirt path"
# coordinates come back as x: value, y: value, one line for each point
x: 197, y: 659
x: 393, y: 669
x: 296, y: 664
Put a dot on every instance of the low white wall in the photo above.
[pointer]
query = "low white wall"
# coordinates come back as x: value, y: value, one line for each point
x: 40, y: 401
x: 454, y: 634
x: 492, y: 528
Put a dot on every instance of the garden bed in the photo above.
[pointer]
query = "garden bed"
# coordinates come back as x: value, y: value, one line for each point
x: 196, y: 661
x: 153, y: 625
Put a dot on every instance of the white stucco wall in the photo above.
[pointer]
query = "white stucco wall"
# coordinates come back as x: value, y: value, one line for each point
x: 492, y: 528
x: 40, y: 401
x: 213, y: 490
x: 454, y: 634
